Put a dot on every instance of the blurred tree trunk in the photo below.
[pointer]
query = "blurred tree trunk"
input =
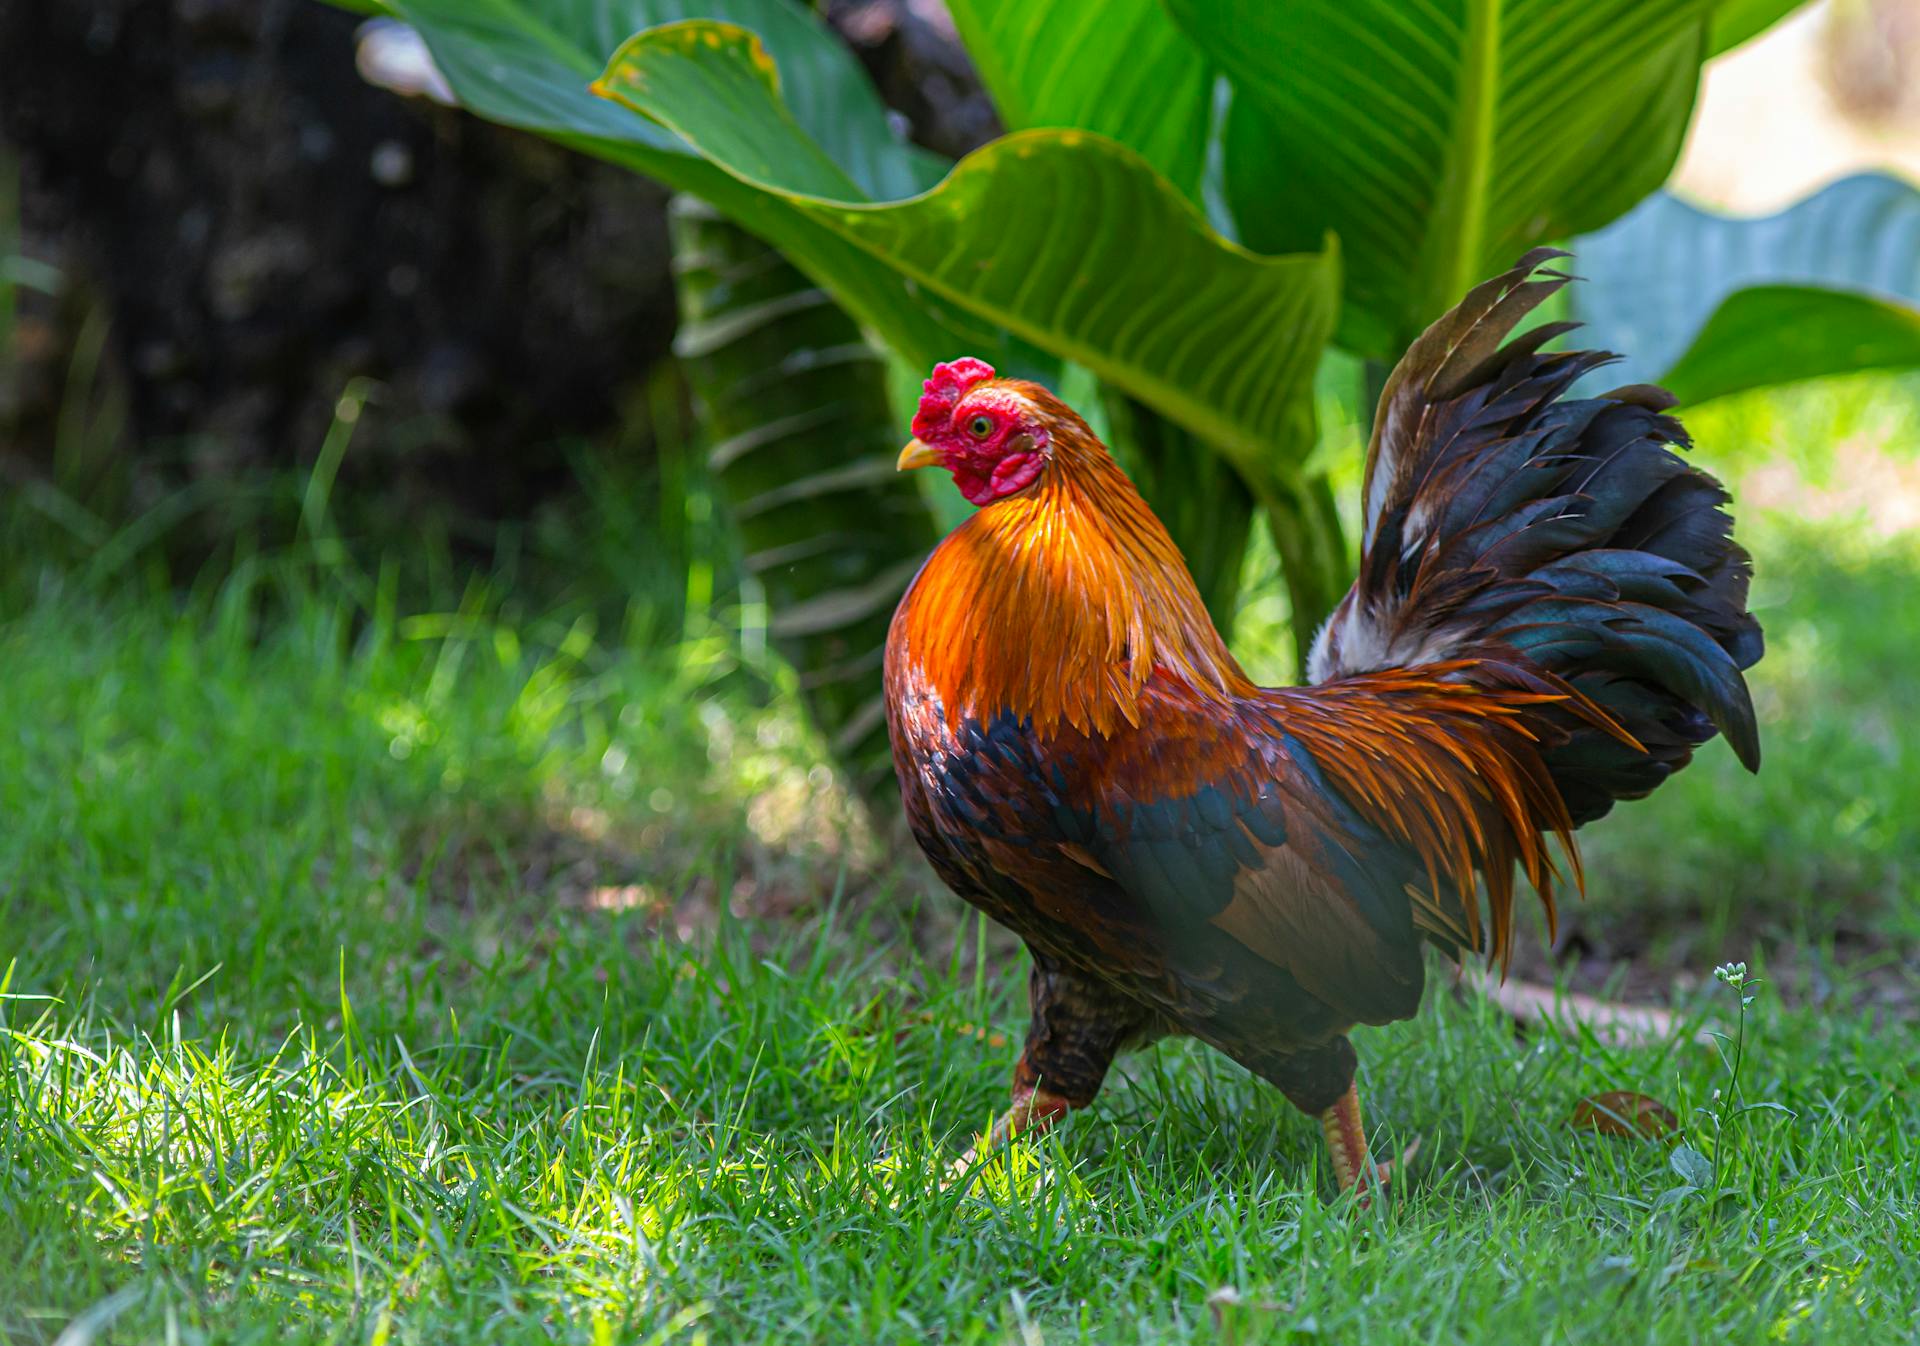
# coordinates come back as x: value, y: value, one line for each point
x: 802, y: 442
x: 250, y: 225
x: 913, y: 54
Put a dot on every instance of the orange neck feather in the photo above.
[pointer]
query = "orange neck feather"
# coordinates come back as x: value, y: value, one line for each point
x: 1060, y: 602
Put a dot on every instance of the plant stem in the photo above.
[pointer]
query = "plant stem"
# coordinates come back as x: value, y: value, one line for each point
x: 1313, y: 554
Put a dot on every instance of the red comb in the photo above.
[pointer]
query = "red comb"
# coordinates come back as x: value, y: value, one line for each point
x: 948, y: 385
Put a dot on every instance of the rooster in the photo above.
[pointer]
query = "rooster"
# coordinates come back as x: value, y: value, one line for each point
x: 1550, y: 614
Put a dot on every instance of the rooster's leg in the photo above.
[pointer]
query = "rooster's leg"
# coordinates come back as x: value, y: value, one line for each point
x: 1034, y: 1110
x: 1078, y: 1026
x: 1319, y: 1082
x: 1353, y: 1166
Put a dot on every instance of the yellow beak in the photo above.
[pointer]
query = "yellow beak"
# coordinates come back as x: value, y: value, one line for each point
x: 915, y: 455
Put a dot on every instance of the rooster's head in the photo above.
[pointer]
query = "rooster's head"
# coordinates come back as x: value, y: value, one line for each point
x: 994, y: 435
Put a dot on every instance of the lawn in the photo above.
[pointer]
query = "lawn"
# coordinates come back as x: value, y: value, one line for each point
x: 382, y: 968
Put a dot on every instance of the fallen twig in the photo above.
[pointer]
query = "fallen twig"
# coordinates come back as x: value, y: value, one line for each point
x: 1614, y: 1024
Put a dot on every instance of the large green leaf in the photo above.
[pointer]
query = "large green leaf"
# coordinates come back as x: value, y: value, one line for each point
x: 1442, y: 138
x: 1119, y: 68
x: 803, y: 439
x: 1123, y: 70
x: 1656, y: 276
x: 1780, y: 333
x: 1068, y: 240
x: 530, y: 64
x: 1736, y: 21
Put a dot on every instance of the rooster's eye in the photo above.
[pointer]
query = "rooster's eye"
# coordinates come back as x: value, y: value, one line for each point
x: 980, y: 427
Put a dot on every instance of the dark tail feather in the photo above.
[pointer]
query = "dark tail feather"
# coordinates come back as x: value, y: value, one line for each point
x: 1507, y: 525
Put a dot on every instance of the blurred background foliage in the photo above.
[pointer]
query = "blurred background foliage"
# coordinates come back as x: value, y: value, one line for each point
x: 510, y: 302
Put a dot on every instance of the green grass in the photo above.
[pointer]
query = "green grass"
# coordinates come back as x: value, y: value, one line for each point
x: 380, y: 974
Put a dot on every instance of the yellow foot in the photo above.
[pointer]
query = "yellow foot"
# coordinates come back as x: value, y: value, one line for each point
x: 1034, y: 1111
x: 1353, y: 1166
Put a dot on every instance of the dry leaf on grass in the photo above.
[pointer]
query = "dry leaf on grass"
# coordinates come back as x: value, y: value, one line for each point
x: 1621, y: 1112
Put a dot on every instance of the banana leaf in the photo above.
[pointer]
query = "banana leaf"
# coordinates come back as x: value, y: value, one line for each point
x: 793, y: 400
